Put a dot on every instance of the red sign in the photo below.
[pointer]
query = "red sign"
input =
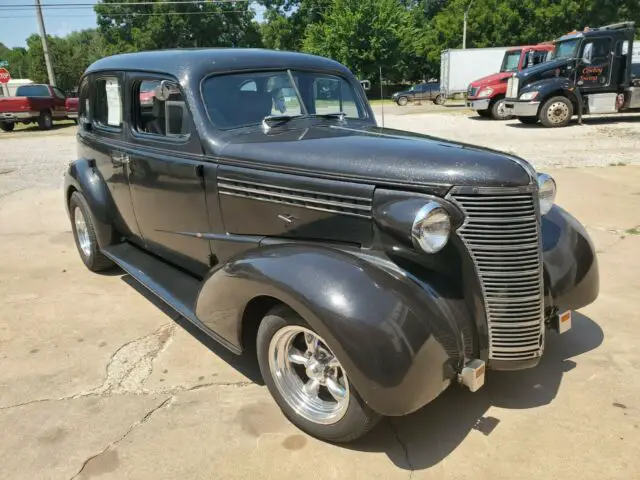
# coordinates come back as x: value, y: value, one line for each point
x: 4, y: 75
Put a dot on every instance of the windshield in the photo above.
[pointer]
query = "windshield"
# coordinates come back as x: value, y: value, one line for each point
x: 246, y: 98
x: 511, y: 61
x: 565, y: 49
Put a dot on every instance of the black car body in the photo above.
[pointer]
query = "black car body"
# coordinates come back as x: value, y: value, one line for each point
x: 591, y: 72
x: 230, y: 208
x: 419, y: 92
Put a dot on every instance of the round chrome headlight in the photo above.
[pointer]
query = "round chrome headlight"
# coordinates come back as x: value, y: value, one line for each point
x: 431, y: 228
x: 546, y: 192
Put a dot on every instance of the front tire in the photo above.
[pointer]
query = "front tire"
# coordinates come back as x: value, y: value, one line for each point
x: 308, y: 382
x: 484, y: 113
x: 7, y: 127
x: 84, y: 234
x: 556, y: 112
x: 498, y: 111
x: 402, y: 101
x: 45, y: 120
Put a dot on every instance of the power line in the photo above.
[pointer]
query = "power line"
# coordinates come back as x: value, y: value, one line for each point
x: 73, y: 6
x: 223, y: 12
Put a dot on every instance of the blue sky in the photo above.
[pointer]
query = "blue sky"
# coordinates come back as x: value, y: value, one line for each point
x: 17, y: 25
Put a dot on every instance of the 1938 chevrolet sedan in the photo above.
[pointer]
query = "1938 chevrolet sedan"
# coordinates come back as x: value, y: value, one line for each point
x: 368, y: 268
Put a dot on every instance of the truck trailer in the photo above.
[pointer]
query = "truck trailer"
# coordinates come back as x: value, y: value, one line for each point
x: 459, y: 67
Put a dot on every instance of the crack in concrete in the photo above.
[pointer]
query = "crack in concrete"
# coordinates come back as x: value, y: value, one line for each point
x: 403, y: 446
x: 147, y: 416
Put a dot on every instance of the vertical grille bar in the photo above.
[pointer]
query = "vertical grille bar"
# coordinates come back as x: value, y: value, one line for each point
x: 502, y: 233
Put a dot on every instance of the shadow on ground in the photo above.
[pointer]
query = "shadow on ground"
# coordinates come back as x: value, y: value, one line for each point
x: 246, y: 364
x: 429, y: 435
x: 586, y: 121
x: 432, y: 433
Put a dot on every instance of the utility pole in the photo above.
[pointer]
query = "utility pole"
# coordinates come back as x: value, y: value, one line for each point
x: 45, y: 44
x: 464, y: 28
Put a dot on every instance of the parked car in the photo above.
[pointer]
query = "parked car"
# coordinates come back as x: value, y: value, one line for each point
x: 487, y: 95
x: 33, y: 103
x: 419, y: 92
x: 71, y: 106
x: 590, y: 72
x: 368, y: 268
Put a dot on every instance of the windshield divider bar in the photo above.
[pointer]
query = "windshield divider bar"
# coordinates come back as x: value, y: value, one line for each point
x: 295, y: 87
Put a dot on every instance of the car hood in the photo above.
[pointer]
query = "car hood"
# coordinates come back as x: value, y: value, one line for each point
x: 491, y: 79
x: 363, y: 152
x: 539, y: 70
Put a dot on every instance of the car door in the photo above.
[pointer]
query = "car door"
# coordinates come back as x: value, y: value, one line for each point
x: 167, y: 172
x: 102, y: 141
x: 594, y: 74
x: 434, y: 90
x: 58, y: 109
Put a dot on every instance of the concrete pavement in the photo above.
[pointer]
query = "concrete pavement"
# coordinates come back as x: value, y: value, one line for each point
x: 97, y: 380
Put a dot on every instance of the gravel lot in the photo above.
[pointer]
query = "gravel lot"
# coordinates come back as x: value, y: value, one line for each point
x: 99, y: 380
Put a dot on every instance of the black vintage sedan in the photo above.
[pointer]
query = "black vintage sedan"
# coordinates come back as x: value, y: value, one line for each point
x: 367, y: 268
x: 420, y: 92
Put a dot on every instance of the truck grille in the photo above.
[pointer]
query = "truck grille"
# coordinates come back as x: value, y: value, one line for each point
x: 471, y: 92
x: 502, y: 233
x: 513, y: 85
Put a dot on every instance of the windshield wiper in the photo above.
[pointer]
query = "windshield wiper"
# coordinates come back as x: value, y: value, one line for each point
x: 275, y: 120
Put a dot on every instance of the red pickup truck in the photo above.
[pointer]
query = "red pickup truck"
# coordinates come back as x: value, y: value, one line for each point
x: 487, y: 95
x: 36, y: 103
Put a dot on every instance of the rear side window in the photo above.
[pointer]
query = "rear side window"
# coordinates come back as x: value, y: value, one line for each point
x: 108, y: 102
x: 159, y: 109
x: 33, y: 91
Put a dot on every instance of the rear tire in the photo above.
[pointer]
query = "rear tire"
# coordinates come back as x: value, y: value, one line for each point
x: 439, y: 100
x: 84, y: 234
x: 45, y: 120
x: 402, y: 101
x: 556, y: 112
x: 528, y: 120
x: 7, y: 127
x: 497, y: 110
x: 282, y: 334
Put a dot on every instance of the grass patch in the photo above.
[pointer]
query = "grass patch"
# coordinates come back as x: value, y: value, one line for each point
x: 617, y: 164
x: 633, y: 231
x: 23, y: 127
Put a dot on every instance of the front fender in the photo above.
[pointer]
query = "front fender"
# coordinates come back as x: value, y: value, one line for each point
x: 570, y: 263
x: 398, y: 339
x: 82, y: 176
x: 549, y: 87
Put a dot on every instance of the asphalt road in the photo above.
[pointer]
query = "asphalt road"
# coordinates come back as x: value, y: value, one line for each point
x: 97, y: 380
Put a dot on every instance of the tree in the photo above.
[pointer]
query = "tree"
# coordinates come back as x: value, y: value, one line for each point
x: 362, y: 34
x: 128, y: 28
x: 287, y: 21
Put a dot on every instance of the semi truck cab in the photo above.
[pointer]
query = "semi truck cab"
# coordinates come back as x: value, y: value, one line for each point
x: 486, y: 95
x: 590, y: 72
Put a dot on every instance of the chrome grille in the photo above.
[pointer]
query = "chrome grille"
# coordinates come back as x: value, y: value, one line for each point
x: 513, y: 85
x: 471, y: 92
x: 502, y: 233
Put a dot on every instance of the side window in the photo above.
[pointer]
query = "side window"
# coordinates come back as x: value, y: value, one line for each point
x: 58, y: 93
x: 160, y: 109
x: 333, y: 95
x: 596, y: 50
x: 108, y: 102
x: 539, y: 57
x: 83, y: 101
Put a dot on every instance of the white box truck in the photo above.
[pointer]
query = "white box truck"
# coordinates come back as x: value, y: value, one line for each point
x: 460, y: 67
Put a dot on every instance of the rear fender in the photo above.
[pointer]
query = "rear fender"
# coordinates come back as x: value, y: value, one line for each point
x: 399, y: 340
x: 83, y: 176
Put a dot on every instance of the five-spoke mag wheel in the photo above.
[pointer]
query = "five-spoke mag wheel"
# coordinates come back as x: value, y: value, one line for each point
x: 307, y: 379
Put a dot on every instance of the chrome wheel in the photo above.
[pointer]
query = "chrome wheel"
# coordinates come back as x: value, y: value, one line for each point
x: 82, y: 234
x: 308, y: 375
x: 558, y: 112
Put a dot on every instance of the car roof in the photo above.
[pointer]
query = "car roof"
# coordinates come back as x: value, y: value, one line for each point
x: 203, y: 61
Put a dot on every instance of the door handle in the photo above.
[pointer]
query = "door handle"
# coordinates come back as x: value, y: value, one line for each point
x: 120, y: 160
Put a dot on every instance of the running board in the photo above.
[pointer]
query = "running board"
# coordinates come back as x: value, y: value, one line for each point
x: 171, y: 285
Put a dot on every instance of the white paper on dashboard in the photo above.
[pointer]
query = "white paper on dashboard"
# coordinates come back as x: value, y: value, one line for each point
x: 114, y: 107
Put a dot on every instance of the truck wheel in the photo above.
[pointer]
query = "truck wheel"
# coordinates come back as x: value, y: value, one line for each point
x: 84, y: 234
x: 7, y: 127
x: 402, y: 101
x: 528, y: 120
x: 484, y: 113
x: 45, y: 120
x: 556, y: 112
x: 307, y: 380
x: 439, y: 100
x: 498, y: 111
